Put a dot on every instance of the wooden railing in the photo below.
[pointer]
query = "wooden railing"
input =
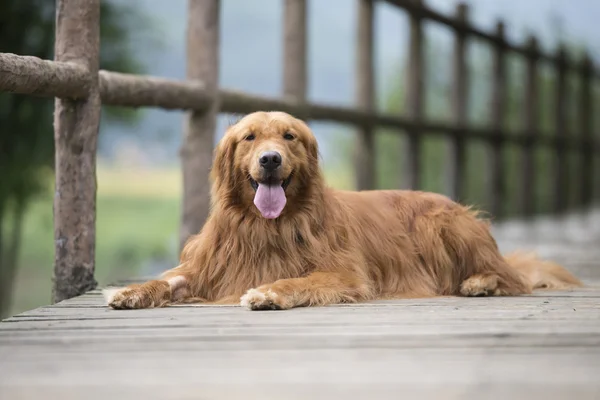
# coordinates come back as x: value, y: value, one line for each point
x: 80, y: 88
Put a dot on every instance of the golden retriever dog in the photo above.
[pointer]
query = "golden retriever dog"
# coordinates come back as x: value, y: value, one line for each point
x: 277, y: 237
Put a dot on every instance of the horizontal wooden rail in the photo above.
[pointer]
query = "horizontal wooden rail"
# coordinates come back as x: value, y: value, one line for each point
x: 239, y: 102
x: 32, y: 75
x: 129, y: 90
x: 120, y: 89
x: 422, y: 11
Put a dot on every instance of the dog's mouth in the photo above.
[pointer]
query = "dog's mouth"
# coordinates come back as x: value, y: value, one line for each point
x: 271, y: 181
x: 269, y: 196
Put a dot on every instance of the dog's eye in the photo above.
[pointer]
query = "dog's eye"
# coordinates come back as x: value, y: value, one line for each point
x: 288, y: 136
x: 250, y: 137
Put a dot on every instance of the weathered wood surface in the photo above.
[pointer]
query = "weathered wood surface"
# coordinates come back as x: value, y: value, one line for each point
x: 410, y: 178
x: 497, y: 188
x: 364, y: 147
x: 203, y: 37
x: 541, y: 346
x: 76, y: 124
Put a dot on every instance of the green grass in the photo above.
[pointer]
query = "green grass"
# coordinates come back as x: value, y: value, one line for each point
x: 137, y: 222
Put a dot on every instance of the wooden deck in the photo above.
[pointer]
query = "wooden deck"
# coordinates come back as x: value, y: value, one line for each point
x: 541, y: 346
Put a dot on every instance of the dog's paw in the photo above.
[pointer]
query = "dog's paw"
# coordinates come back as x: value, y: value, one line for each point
x: 261, y: 299
x: 147, y: 295
x: 109, y: 293
x: 480, y: 285
x: 128, y: 299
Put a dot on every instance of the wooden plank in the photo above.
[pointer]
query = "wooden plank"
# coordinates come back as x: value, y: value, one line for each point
x: 364, y: 147
x: 198, y: 141
x: 455, y: 166
x: 543, y: 306
x: 258, y: 370
x: 415, y: 77
x: 529, y: 310
x: 295, y: 391
x: 170, y: 343
x: 497, y: 189
x: 409, y: 346
x: 76, y: 125
x: 504, y: 331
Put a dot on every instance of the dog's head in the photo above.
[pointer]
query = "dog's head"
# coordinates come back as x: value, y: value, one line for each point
x: 265, y: 161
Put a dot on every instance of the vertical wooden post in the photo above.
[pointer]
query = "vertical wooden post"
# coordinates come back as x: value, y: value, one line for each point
x: 561, y: 183
x: 531, y: 120
x: 75, y: 135
x: 414, y: 102
x: 364, y: 156
x: 294, y: 61
x: 497, y: 188
x: 198, y: 141
x: 586, y: 129
x: 456, y: 154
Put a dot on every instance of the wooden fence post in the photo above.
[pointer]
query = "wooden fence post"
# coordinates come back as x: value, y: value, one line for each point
x: 497, y: 187
x: 294, y: 61
x: 531, y: 122
x: 456, y: 155
x: 75, y: 134
x: 415, y: 78
x: 561, y: 183
x: 586, y: 132
x: 364, y: 147
x: 198, y: 141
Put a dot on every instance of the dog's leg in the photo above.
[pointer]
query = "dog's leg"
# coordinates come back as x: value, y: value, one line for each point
x: 155, y: 293
x: 478, y: 268
x: 492, y: 275
x: 318, y: 288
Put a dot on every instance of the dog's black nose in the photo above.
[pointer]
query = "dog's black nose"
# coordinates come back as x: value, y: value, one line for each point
x: 270, y: 160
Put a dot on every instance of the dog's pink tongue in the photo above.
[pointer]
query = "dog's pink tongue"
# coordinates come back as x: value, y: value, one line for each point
x: 270, y: 200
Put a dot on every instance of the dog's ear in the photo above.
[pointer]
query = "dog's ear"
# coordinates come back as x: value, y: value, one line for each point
x: 310, y: 141
x: 222, y: 169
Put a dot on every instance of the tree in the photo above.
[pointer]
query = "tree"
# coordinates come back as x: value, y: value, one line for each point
x: 26, y: 136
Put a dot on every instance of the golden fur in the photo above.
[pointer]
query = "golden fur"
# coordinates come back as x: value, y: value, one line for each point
x: 330, y: 246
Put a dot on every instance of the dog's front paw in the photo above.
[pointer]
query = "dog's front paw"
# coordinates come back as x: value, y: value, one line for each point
x: 128, y: 299
x: 147, y: 295
x: 262, y: 299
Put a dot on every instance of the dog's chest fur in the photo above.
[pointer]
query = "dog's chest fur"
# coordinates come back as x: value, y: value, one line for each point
x: 256, y: 252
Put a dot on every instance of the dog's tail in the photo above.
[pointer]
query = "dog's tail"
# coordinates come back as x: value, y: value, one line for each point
x: 541, y: 274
